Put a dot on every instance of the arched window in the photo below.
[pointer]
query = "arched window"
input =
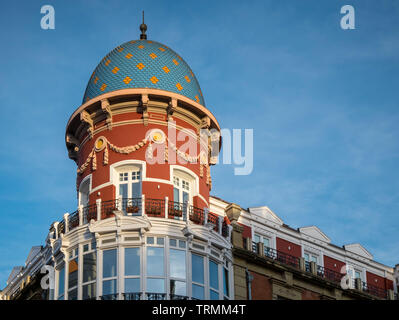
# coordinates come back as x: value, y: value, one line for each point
x: 84, y: 192
x: 183, y: 185
x: 129, y: 182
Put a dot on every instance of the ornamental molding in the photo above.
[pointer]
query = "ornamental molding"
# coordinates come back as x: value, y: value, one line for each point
x: 106, y: 108
x: 85, y: 117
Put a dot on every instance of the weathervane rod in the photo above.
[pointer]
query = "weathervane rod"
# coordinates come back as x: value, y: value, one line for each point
x: 143, y: 28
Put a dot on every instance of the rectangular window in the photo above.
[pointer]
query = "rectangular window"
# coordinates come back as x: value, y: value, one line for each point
x: 177, y: 288
x: 109, y: 263
x: 109, y: 287
x: 89, y: 291
x: 198, y: 268
x: 61, y: 283
x: 177, y: 260
x: 123, y: 190
x: 155, y: 285
x: 89, y: 267
x: 213, y: 275
x: 198, y: 292
x: 73, y: 273
x: 155, y: 261
x: 132, y: 285
x: 132, y: 261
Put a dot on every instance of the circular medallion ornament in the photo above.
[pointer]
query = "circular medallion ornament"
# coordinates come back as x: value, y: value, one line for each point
x: 100, y: 144
x: 157, y: 136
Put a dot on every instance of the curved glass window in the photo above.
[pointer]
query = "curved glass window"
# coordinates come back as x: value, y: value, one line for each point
x: 109, y: 263
x: 155, y: 264
x: 177, y: 260
x: 132, y: 261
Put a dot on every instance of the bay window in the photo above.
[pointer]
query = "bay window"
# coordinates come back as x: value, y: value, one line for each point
x: 132, y: 270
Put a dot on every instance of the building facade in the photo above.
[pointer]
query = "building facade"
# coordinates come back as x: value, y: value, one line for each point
x: 146, y: 227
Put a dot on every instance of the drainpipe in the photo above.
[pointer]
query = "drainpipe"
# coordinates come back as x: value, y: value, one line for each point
x: 249, y: 278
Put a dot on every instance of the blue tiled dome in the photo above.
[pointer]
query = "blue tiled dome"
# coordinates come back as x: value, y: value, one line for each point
x: 143, y: 64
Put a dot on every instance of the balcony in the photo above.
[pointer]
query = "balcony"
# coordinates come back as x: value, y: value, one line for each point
x: 319, y: 271
x: 158, y: 208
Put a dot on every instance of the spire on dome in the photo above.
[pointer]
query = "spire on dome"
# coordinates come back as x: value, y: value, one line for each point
x: 143, y: 28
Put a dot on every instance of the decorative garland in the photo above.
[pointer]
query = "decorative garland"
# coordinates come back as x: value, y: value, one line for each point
x: 156, y: 136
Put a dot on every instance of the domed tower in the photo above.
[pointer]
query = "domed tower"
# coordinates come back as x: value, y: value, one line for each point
x: 143, y: 183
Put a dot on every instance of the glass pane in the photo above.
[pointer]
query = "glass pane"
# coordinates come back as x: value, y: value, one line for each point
x: 160, y: 241
x: 178, y: 287
x: 176, y: 197
x: 198, y: 292
x: 155, y: 266
x: 182, y: 244
x: 155, y: 285
x: 73, y: 273
x: 257, y: 238
x: 213, y: 275
x: 185, y: 197
x: 314, y: 259
x: 266, y: 243
x: 214, y: 295
x: 150, y: 240
x: 109, y: 287
x: 357, y: 275
x: 177, y: 263
x: 123, y: 190
x: 132, y: 261
x: 306, y: 257
x: 132, y: 285
x: 73, y: 294
x: 198, y: 268
x: 172, y: 242
x: 89, y: 267
x: 109, y: 263
x: 61, y: 282
x: 226, y: 282
x: 89, y: 291
x: 136, y: 190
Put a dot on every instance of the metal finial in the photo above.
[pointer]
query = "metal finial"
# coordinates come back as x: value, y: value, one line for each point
x: 143, y: 28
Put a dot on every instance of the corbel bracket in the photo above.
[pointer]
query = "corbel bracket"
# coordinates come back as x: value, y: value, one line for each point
x: 172, y: 107
x: 106, y: 108
x: 144, y: 106
x: 85, y: 117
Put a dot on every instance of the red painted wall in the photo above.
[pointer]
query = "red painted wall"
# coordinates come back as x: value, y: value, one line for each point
x: 333, y: 264
x: 131, y: 134
x: 375, y: 280
x: 288, y: 247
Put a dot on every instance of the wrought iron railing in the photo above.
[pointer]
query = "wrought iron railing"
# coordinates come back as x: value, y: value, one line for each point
x: 329, y: 274
x: 89, y: 213
x: 176, y: 210
x: 214, y: 219
x: 132, y: 296
x: 155, y: 207
x: 108, y: 208
x: 280, y: 256
x: 113, y: 296
x: 178, y: 297
x: 155, y: 296
x: 131, y: 206
x: 73, y: 220
x: 196, y: 215
x: 374, y: 290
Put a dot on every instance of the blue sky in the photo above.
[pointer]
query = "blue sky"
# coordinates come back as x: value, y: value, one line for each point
x: 323, y: 103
